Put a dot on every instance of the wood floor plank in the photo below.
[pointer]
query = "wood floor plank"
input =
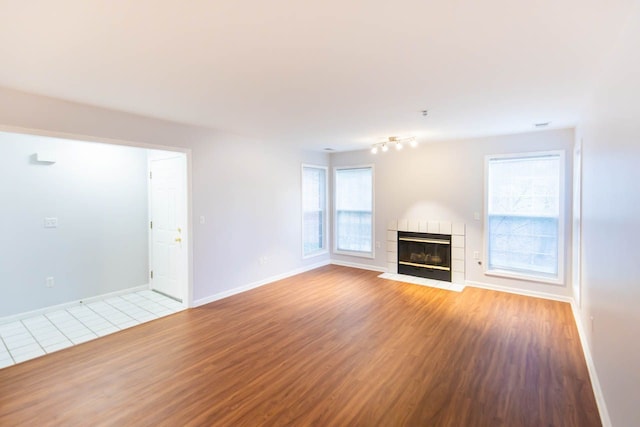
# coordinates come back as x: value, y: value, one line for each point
x: 334, y: 346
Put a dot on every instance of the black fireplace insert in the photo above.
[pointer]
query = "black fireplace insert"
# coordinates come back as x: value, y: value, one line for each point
x: 425, y: 255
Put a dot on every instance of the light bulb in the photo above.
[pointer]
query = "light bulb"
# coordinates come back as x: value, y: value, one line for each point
x: 414, y: 143
x: 384, y: 147
x: 398, y: 146
x: 374, y: 150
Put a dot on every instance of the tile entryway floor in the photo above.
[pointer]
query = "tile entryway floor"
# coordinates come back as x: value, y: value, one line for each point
x: 36, y: 336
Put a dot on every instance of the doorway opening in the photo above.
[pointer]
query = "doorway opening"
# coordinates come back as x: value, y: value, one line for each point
x: 80, y: 221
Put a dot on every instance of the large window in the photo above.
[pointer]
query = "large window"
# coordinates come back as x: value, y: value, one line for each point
x: 314, y: 210
x: 354, y: 210
x: 524, y: 215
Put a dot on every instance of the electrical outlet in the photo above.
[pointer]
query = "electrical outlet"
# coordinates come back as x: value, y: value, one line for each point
x: 49, y: 282
x: 202, y: 220
x: 378, y: 245
x: 476, y: 255
x: 50, y: 222
x: 476, y: 216
x: 264, y: 260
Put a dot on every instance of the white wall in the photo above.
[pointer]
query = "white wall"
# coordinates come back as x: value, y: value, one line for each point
x: 98, y: 193
x: 247, y: 190
x: 610, y: 133
x: 445, y: 181
x: 250, y: 194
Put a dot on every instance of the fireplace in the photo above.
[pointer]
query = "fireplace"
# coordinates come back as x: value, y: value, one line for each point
x: 425, y: 255
x: 455, y: 231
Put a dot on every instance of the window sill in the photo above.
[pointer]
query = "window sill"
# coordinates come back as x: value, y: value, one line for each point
x: 315, y: 254
x: 529, y: 278
x: 368, y: 255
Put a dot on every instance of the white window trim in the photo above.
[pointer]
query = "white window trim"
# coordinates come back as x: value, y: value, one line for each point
x: 325, y: 222
x: 559, y: 279
x: 368, y: 255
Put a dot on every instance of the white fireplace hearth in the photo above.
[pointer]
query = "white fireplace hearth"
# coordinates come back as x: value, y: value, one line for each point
x: 455, y: 230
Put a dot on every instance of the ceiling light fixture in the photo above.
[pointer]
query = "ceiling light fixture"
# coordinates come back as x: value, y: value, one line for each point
x: 397, y: 142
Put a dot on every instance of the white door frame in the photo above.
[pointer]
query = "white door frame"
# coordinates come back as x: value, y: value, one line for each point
x: 188, y: 301
x: 576, y: 225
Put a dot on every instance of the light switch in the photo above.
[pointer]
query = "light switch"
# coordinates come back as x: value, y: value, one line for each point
x: 202, y: 219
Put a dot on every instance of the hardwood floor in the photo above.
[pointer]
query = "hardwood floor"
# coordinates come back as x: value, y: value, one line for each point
x: 334, y: 346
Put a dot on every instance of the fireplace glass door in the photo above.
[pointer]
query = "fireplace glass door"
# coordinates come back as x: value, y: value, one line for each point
x: 425, y: 255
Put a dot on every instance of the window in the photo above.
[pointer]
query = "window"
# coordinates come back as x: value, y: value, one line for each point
x: 524, y: 215
x: 354, y: 211
x: 314, y: 210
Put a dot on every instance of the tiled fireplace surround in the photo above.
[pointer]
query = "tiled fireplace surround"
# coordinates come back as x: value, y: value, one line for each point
x: 456, y: 230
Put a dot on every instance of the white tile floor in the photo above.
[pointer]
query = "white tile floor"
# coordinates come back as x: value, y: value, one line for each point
x: 35, y: 336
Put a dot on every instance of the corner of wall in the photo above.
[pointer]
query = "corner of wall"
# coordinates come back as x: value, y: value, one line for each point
x: 257, y: 284
x: 593, y: 374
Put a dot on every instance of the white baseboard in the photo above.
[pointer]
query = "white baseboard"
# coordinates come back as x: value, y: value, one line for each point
x: 595, y: 382
x: 360, y: 266
x: 509, y: 290
x: 63, y: 306
x: 257, y: 284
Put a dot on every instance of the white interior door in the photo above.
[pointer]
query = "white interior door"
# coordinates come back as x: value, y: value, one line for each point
x: 168, y: 251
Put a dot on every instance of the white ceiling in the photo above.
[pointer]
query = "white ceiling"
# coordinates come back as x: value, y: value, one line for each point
x: 341, y: 74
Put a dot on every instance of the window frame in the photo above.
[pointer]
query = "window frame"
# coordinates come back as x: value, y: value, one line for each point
x: 325, y: 221
x: 559, y: 279
x: 368, y: 255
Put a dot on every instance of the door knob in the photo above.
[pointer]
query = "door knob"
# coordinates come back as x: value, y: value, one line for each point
x: 178, y: 239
